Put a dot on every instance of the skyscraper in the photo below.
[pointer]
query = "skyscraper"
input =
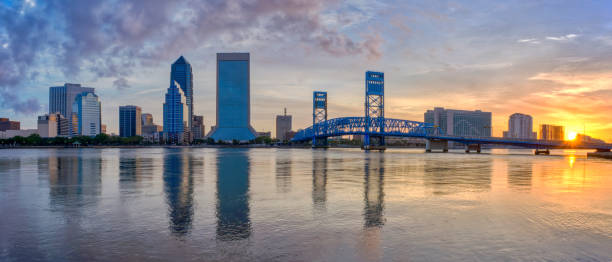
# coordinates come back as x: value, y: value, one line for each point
x: 552, y: 132
x: 198, y: 130
x: 86, y: 111
x: 182, y: 74
x: 130, y: 121
x: 520, y: 126
x: 175, y: 114
x: 283, y: 126
x: 61, y: 98
x: 147, y: 119
x: 233, y: 98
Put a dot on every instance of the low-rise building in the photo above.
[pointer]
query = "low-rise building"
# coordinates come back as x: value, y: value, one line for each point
x: 6, y: 124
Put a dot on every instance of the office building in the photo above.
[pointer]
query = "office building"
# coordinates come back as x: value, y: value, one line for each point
x: 175, y: 115
x: 520, y: 126
x: 283, y: 126
x: 460, y: 122
x: 61, y: 98
x: 130, y: 121
x: 6, y: 124
x: 233, y: 98
x: 103, y: 129
x: 182, y: 74
x: 552, y: 132
x: 13, y: 133
x: 588, y: 139
x: 147, y: 119
x: 198, y: 129
x: 86, y: 112
x: 48, y: 125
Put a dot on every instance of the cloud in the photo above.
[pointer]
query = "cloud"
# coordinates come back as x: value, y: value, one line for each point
x: 529, y: 41
x: 109, y: 39
x: 562, y: 38
x: 27, y: 107
x: 121, y: 83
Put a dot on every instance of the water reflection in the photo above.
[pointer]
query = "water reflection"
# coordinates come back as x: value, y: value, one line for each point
x: 319, y: 179
x: 447, y: 176
x: 374, y: 171
x: 520, y: 173
x: 233, y: 221
x: 283, y: 172
x: 178, y: 186
x: 133, y: 170
x: 74, y: 180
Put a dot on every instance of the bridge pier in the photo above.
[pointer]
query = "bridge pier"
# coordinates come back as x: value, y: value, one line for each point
x: 472, y: 147
x: 436, y: 144
x: 542, y: 152
x: 601, y: 150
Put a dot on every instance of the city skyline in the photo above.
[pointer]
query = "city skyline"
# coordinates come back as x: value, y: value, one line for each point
x: 557, y: 72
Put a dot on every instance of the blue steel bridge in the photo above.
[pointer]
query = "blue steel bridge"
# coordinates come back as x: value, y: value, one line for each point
x: 374, y: 127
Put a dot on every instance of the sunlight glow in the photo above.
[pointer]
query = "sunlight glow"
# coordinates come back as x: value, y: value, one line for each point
x: 571, y: 135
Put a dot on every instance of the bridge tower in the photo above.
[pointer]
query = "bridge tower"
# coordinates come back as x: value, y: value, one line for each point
x: 374, y: 111
x: 319, y: 116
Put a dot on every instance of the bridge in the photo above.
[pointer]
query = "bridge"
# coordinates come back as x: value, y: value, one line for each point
x: 374, y: 127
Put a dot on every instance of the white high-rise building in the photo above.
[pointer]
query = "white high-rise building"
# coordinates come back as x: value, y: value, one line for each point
x: 86, y: 112
x: 520, y: 126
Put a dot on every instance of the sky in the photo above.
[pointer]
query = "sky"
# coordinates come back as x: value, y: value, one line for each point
x: 551, y: 59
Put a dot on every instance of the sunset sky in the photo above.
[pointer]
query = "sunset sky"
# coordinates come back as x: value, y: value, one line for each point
x: 550, y: 59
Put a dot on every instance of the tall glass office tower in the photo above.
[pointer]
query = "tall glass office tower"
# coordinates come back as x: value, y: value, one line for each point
x: 86, y: 111
x: 175, y: 114
x: 61, y: 98
x: 130, y: 121
x: 182, y: 74
x: 233, y: 98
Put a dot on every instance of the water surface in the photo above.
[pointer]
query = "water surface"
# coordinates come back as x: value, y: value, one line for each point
x: 191, y: 204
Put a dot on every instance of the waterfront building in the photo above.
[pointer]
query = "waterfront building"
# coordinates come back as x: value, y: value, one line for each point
x: 103, y: 129
x: 7, y: 124
x: 147, y: 119
x: 283, y: 126
x: 460, y: 122
x: 86, y: 112
x: 520, y: 126
x: 47, y: 125
x: 552, y: 132
x: 233, y: 98
x: 588, y: 139
x: 61, y: 98
x: 182, y: 73
x: 130, y: 121
x: 13, y: 133
x: 175, y: 115
x: 198, y: 129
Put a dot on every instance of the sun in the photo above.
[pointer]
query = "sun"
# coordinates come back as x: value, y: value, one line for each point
x: 572, y: 135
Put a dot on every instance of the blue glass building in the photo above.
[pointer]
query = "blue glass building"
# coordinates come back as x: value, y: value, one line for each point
x: 175, y: 114
x: 86, y: 114
x: 182, y: 74
x: 130, y: 121
x: 233, y: 98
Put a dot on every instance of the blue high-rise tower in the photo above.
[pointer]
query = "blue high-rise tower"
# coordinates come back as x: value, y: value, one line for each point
x: 233, y: 98
x: 175, y: 114
x: 182, y: 74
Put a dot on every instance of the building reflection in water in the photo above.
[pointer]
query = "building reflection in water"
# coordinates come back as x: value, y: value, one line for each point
x: 520, y: 173
x: 133, y: 170
x: 74, y: 180
x: 178, y: 186
x: 448, y: 176
x: 319, y: 179
x: 283, y: 171
x: 374, y: 172
x: 233, y: 221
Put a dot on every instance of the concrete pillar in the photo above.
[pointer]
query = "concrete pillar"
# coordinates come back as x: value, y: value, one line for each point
x: 542, y: 152
x: 473, y: 147
x: 435, y: 144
